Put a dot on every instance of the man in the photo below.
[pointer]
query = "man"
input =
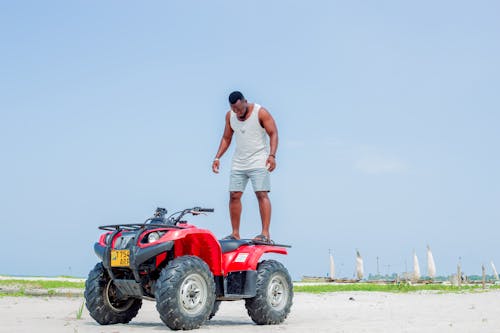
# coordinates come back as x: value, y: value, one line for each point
x: 254, y: 159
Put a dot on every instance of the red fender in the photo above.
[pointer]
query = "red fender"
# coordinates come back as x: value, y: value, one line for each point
x: 199, y: 243
x: 247, y: 257
x: 192, y: 241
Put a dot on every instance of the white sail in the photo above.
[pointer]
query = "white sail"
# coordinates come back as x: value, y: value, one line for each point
x: 332, y: 267
x: 359, y: 266
x: 494, y: 271
x: 416, y: 267
x: 431, y: 266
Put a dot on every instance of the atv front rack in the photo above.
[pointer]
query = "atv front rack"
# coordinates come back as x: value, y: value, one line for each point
x: 137, y: 226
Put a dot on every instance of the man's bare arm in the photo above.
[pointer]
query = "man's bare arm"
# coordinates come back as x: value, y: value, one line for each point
x: 224, y: 144
x: 267, y: 121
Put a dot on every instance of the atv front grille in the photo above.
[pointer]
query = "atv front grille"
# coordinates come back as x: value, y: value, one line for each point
x: 125, y: 241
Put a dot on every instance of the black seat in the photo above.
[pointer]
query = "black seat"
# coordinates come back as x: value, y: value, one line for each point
x: 229, y: 245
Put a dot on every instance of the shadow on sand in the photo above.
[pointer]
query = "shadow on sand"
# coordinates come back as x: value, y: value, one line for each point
x: 159, y: 325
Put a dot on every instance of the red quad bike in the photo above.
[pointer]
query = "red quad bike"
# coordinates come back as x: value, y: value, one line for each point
x: 186, y: 270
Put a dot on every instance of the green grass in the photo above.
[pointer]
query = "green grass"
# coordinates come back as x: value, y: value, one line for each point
x: 19, y: 293
x: 42, y: 284
x: 19, y: 287
x: 395, y: 288
x: 79, y: 312
x: 51, y: 286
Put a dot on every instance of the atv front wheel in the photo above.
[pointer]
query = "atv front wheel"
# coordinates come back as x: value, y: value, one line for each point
x: 102, y: 301
x: 272, y: 303
x: 185, y: 293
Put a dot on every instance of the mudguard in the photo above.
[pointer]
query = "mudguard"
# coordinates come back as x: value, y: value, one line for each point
x: 247, y: 257
x: 197, y: 242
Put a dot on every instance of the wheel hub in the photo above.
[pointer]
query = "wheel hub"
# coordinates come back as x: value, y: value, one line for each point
x: 111, y: 297
x: 193, y: 293
x: 277, y: 295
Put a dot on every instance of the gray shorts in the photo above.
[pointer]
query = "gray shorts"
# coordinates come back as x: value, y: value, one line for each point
x: 261, y: 180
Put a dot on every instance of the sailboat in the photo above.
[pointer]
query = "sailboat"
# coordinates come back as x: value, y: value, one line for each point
x: 416, y: 267
x: 332, y: 267
x: 494, y: 270
x: 431, y: 266
x: 359, y: 266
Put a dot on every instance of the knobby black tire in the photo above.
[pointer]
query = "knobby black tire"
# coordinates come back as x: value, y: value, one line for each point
x: 169, y: 299
x: 261, y: 308
x: 98, y: 303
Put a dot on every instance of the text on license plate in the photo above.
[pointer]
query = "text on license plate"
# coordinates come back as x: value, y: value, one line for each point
x: 120, y: 258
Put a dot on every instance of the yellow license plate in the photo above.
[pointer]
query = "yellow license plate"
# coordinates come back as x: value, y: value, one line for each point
x: 120, y: 258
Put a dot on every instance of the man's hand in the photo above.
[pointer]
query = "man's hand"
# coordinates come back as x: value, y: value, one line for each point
x: 215, y: 166
x: 271, y: 163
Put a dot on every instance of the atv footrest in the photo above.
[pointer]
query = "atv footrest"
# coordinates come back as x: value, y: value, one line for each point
x: 128, y: 288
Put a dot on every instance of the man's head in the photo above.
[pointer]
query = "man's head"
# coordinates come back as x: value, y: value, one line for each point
x: 238, y: 104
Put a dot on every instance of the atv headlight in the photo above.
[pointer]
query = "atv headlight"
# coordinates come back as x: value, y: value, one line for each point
x: 153, y: 237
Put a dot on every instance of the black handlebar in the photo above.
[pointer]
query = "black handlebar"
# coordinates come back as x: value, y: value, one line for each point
x: 204, y: 210
x: 176, y: 217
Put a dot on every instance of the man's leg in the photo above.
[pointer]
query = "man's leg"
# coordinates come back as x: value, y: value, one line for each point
x: 237, y: 183
x: 265, y: 211
x: 235, y: 212
x: 261, y: 183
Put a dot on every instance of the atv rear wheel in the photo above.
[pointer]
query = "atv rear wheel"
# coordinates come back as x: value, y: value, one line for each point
x: 102, y: 301
x: 272, y: 303
x: 185, y: 293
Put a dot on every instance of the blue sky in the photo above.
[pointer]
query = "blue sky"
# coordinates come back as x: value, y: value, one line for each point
x: 387, y: 112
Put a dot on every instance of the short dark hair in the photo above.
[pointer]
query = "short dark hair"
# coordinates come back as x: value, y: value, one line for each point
x: 235, y: 96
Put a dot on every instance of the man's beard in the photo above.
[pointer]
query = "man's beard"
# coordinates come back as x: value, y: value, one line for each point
x: 244, y: 114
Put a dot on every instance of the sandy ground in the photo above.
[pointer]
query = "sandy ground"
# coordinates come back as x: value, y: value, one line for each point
x: 333, y: 312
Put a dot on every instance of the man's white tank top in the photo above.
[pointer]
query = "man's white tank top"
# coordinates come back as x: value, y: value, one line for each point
x: 252, y: 147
